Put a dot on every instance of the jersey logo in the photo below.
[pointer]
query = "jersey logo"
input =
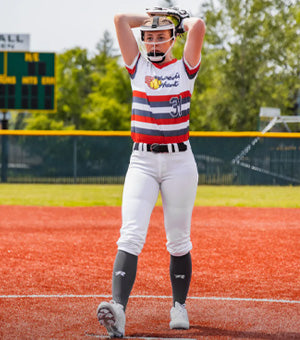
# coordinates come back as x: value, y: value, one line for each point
x: 153, y: 82
x: 163, y: 81
x: 178, y: 276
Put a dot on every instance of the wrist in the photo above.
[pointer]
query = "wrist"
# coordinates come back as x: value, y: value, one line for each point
x: 182, y: 25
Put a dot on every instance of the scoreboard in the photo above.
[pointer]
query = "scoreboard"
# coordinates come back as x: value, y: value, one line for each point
x: 27, y: 81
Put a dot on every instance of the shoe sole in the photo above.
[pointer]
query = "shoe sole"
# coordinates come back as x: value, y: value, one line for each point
x: 107, y: 319
x: 179, y: 326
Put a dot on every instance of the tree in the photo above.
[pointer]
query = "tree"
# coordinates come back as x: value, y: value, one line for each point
x: 105, y: 52
x: 75, y: 84
x: 250, y: 60
x: 110, y: 101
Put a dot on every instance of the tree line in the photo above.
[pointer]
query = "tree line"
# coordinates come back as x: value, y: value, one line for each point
x: 250, y: 59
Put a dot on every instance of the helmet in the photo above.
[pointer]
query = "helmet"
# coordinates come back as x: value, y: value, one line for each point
x: 153, y: 24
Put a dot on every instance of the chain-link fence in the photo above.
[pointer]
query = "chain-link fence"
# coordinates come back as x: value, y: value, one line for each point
x: 102, y: 157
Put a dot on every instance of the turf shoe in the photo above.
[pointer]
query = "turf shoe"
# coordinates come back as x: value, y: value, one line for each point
x: 179, y: 317
x: 112, y: 316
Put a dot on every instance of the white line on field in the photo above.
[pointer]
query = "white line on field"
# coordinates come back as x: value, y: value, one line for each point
x: 216, y: 298
x: 137, y: 337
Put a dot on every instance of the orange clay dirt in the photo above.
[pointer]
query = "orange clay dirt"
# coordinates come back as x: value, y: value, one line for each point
x: 56, y: 267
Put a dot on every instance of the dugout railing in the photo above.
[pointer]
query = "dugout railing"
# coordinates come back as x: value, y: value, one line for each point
x: 223, y: 158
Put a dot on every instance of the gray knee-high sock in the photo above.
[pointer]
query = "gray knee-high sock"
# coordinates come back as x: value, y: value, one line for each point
x: 124, y: 273
x: 180, y: 274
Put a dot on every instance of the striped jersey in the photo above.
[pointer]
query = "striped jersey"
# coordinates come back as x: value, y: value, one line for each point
x: 161, y: 100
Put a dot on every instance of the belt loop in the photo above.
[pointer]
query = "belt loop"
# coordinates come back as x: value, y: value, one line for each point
x: 176, y: 147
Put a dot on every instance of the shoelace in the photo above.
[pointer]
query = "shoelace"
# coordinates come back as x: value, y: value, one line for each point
x: 180, y: 308
x: 118, y: 305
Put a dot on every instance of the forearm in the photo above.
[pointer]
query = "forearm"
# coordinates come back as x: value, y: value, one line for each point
x: 195, y: 29
x: 195, y: 24
x: 127, y: 42
x: 131, y: 20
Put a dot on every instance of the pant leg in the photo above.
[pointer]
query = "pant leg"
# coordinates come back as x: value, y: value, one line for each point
x: 178, y: 190
x: 140, y: 194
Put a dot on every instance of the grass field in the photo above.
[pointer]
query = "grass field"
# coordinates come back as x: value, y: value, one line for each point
x: 111, y: 195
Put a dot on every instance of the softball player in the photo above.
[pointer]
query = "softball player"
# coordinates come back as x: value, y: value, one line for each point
x: 162, y: 159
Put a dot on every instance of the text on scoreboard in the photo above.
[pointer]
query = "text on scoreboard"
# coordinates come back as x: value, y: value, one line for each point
x: 27, y: 81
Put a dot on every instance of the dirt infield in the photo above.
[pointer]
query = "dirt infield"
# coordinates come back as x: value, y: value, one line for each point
x: 56, y: 263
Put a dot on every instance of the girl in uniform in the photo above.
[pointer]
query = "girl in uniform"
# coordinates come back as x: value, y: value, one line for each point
x: 162, y: 158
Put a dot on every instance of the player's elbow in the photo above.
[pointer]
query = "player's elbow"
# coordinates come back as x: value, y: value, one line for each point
x: 119, y: 18
x: 198, y: 26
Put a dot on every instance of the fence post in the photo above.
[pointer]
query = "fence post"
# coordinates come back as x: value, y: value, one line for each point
x: 75, y: 159
x: 4, y: 154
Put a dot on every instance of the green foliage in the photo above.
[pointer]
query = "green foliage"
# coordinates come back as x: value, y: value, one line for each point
x: 250, y: 59
x: 109, y: 102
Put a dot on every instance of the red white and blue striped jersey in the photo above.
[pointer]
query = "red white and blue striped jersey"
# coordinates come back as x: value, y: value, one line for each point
x: 161, y: 100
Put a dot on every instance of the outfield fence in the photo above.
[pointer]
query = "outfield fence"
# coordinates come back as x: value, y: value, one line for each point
x: 223, y: 158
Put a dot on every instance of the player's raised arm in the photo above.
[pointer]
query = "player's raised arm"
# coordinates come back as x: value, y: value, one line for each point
x: 195, y: 29
x: 127, y: 42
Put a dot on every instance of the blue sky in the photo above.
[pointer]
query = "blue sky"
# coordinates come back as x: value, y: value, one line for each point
x: 56, y: 25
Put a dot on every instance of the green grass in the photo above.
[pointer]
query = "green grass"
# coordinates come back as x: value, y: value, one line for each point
x: 60, y: 195
x: 249, y: 196
x: 111, y: 195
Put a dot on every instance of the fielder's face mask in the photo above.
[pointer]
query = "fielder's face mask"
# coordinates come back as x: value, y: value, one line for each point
x: 157, y: 56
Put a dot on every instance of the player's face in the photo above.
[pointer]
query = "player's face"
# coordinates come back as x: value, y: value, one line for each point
x: 158, y: 42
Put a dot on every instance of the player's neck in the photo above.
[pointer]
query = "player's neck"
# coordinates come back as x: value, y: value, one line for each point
x: 165, y: 63
x: 167, y: 59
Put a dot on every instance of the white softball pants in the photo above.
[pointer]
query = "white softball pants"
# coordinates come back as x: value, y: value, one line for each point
x: 175, y: 175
